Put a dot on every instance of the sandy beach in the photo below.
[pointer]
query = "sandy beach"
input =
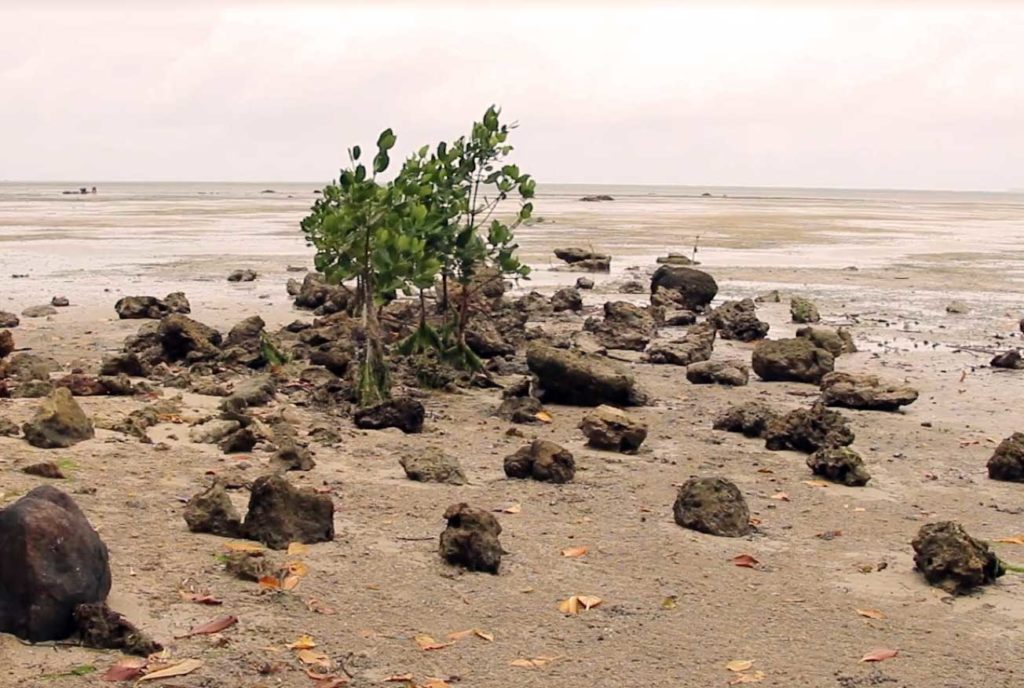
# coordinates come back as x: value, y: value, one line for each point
x: 675, y: 609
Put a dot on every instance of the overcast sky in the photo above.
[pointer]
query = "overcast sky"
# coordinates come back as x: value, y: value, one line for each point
x: 633, y: 92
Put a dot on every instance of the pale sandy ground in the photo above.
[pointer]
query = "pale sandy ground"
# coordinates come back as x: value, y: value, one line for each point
x: 794, y: 617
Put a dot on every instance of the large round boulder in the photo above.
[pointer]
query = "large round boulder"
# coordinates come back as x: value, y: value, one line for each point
x: 686, y: 287
x: 793, y: 360
x: 712, y: 505
x: 578, y: 379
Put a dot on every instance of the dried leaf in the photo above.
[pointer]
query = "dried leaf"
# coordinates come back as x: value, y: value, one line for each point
x: 215, y: 626
x: 879, y: 655
x: 270, y: 582
x: 319, y: 659
x: 289, y: 582
x: 242, y: 546
x: 532, y: 663
x: 510, y: 509
x: 179, y: 669
x: 780, y: 496
x: 489, y: 637
x: 577, y: 603
x: 670, y: 602
x: 459, y: 635
x: 331, y: 680
x: 400, y: 678
x: 815, y: 483
x: 543, y: 416
x: 318, y: 607
x: 755, y: 677
x: 427, y: 643
x: 739, y: 664
x: 303, y: 642
x: 297, y: 568
x: 745, y: 560
x: 575, y: 552
x: 125, y: 670
x: 435, y: 683
x: 1015, y: 540
x: 296, y: 549
x: 871, y: 613
x: 200, y: 599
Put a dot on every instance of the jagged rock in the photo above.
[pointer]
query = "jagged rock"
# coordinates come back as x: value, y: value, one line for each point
x: 533, y: 303
x: 117, y: 385
x: 520, y: 410
x: 46, y: 469
x: 239, y: 442
x: 137, y: 307
x: 52, y: 562
x: 245, y: 275
x: 738, y: 320
x: 24, y: 367
x: 250, y: 393
x: 60, y: 302
x: 9, y: 319
x: 597, y: 197
x: 751, y: 419
x: 280, y: 514
x: 183, y: 338
x: 471, y: 539
x: 697, y: 345
x: 864, y: 392
x: 137, y: 422
x: 808, y: 430
x: 624, y: 326
x: 82, y: 385
x: 803, y: 311
x: 674, y: 259
x: 958, y: 308
x: 244, y: 343
x: 1009, y: 359
x: 39, y: 311
x: 317, y: 295
x: 541, y: 460
x: 212, y: 431
x: 567, y: 299
x: 687, y: 288
x: 772, y: 296
x: 952, y: 560
x: 587, y: 343
x: 712, y: 505
x: 1007, y: 463
x: 404, y: 413
x: 6, y: 343
x: 123, y: 364
x: 840, y: 465
x: 679, y: 318
x: 574, y: 378
x: 8, y: 428
x: 484, y: 339
x: 431, y: 465
x: 58, y: 423
x: 836, y: 342
x: 100, y: 627
x: 249, y: 566
x: 795, y: 360
x: 211, y: 511
x: 607, y: 427
x: 32, y: 389
x: 581, y: 283
x: 718, y: 373
x: 631, y: 287
x: 582, y: 258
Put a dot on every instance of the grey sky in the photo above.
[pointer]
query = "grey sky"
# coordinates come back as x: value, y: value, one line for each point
x: 631, y: 92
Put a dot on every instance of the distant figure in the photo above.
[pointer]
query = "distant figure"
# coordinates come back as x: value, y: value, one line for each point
x: 94, y: 189
x: 83, y: 190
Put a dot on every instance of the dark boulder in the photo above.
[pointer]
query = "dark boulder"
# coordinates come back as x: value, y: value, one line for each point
x: 246, y: 275
x: 567, y: 299
x: 541, y: 460
x: 1008, y: 359
x: 1007, y: 463
x: 864, y: 392
x: 727, y: 373
x: 607, y: 427
x: 52, y: 562
x: 139, y: 307
x: 280, y: 514
x: 836, y: 342
x: 6, y: 343
x: 697, y: 345
x: 952, y: 560
x: 471, y: 539
x: 183, y: 338
x: 9, y: 319
x: 803, y: 311
x: 738, y: 320
x: 792, y: 360
x: 58, y: 423
x: 808, y: 430
x: 712, y: 505
x: 685, y: 287
x: 211, y: 511
x: 432, y: 465
x: 570, y: 377
x: 520, y: 410
x: 123, y: 364
x: 840, y: 465
x: 625, y: 326
x: 404, y: 413
x: 750, y: 419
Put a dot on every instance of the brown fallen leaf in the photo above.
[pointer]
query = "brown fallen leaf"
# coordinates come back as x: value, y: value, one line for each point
x: 242, y: 546
x: 745, y: 560
x: 435, y: 683
x: 1014, y: 540
x: 200, y: 599
x: 426, y: 643
x: 215, y: 626
x: 780, y: 496
x: 543, y: 416
x: 318, y: 607
x: 755, y: 677
x: 297, y: 568
x: 815, y: 483
x: 303, y: 642
x: 289, y: 582
x: 180, y: 669
x: 125, y: 670
x: 400, y: 678
x: 871, y: 613
x: 532, y: 662
x: 327, y: 680
x: 489, y: 637
x: 670, y: 602
x: 575, y: 552
x: 510, y: 509
x: 879, y: 655
x: 314, y: 658
x: 577, y: 603
x: 296, y: 549
x: 739, y: 664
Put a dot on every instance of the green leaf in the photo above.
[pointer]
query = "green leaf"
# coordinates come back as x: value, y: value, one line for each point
x: 386, y: 140
x: 380, y: 162
x: 356, y: 152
